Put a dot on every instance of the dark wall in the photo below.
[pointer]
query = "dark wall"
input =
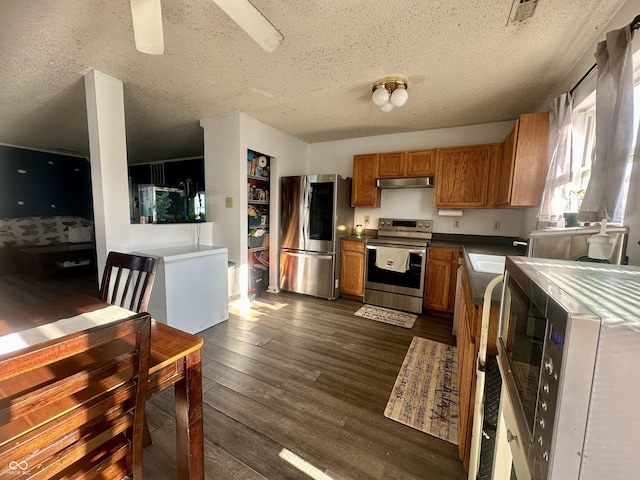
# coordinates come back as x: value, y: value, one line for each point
x: 175, y: 171
x: 43, y: 184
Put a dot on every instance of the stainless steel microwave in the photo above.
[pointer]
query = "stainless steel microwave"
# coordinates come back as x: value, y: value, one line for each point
x: 569, y: 354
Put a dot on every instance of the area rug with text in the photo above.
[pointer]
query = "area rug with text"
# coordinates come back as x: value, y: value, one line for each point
x: 387, y: 315
x: 425, y: 395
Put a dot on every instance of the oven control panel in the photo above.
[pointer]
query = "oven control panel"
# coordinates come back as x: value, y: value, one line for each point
x: 548, y: 387
x: 400, y: 226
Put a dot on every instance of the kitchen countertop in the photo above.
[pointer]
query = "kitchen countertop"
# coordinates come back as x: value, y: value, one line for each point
x: 480, y: 244
x: 490, y: 245
x: 355, y: 238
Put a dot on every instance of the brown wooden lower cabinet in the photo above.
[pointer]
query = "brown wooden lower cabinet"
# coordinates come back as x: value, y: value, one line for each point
x: 352, y: 268
x: 440, y: 282
x: 468, y: 342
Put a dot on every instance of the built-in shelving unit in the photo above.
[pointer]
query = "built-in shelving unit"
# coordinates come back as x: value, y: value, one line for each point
x: 258, y: 202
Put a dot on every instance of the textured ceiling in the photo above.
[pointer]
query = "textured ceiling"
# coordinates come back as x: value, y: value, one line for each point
x: 465, y: 64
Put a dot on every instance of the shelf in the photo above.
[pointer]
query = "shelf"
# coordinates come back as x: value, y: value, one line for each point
x: 262, y: 179
x: 259, y: 206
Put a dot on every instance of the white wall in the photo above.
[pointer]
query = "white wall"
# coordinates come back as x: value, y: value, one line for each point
x: 226, y: 141
x: 107, y: 143
x: 418, y: 203
x: 109, y: 179
x: 337, y: 157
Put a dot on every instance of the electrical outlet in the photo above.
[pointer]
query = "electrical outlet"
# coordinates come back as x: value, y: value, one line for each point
x: 228, y: 202
x: 496, y: 224
x: 456, y: 223
x: 366, y: 219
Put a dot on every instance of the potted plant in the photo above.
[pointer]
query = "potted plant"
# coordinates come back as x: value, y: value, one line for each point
x: 570, y: 217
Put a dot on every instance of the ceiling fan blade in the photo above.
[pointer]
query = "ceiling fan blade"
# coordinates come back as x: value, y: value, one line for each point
x: 147, y: 26
x: 252, y: 22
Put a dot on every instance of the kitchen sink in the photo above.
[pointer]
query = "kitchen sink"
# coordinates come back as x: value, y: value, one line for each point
x: 483, y: 263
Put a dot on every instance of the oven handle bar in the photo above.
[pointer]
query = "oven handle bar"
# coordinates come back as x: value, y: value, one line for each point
x: 420, y: 251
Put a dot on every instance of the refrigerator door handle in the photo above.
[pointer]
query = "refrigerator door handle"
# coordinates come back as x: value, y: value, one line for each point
x: 305, y: 202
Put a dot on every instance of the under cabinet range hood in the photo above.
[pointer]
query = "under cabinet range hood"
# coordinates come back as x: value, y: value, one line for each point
x: 422, y: 182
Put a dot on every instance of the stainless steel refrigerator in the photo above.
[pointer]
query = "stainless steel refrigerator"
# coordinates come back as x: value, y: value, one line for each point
x: 315, y: 211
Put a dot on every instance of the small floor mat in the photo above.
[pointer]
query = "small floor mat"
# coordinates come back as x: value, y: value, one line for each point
x: 387, y: 315
x: 425, y: 395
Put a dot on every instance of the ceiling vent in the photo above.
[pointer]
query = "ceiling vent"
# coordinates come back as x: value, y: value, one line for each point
x: 522, y: 9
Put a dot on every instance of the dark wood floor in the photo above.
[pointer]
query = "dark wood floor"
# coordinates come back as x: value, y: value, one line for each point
x: 300, y: 378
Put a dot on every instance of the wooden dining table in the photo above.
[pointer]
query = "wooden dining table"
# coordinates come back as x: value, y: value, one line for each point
x: 175, y: 360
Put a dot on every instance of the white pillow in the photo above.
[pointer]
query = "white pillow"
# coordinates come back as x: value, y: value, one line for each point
x: 80, y: 234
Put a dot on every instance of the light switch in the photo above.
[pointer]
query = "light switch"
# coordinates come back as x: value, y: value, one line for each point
x: 228, y: 202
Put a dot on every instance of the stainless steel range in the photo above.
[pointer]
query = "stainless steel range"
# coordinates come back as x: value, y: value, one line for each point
x: 395, y: 264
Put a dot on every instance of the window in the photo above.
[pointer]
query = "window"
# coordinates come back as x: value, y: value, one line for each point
x: 584, y: 142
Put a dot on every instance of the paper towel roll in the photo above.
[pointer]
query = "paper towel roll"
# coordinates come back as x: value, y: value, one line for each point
x: 449, y: 212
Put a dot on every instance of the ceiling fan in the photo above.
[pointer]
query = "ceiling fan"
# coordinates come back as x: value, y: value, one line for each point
x: 147, y: 24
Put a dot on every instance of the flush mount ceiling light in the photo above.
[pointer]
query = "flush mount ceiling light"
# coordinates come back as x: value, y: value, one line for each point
x: 389, y: 92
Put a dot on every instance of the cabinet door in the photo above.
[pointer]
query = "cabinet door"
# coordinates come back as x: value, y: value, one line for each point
x: 521, y: 171
x: 440, y: 284
x: 503, y: 170
x: 531, y: 160
x: 462, y: 175
x: 364, y: 192
x: 466, y: 390
x: 392, y: 165
x: 352, y: 268
x: 436, y: 293
x: 421, y: 163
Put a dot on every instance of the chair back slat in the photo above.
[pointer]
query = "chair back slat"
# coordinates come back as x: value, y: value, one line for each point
x: 134, y: 292
x: 93, y: 416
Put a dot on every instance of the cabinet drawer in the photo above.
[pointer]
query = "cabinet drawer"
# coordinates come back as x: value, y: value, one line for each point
x: 442, y: 253
x: 353, y: 246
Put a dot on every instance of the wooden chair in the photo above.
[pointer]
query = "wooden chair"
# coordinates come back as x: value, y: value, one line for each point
x: 73, y: 407
x: 139, y: 271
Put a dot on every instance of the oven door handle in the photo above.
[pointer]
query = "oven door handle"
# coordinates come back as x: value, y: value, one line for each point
x: 411, y: 249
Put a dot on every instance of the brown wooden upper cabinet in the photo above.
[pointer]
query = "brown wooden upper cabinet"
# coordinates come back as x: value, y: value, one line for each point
x: 416, y: 163
x: 462, y: 175
x: 392, y: 165
x: 497, y: 175
x: 364, y: 192
x: 521, y: 169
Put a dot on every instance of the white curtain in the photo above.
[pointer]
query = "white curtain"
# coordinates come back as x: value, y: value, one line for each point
x: 614, y: 128
x: 555, y: 198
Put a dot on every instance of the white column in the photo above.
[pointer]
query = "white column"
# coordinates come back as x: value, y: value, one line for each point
x: 108, y: 154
